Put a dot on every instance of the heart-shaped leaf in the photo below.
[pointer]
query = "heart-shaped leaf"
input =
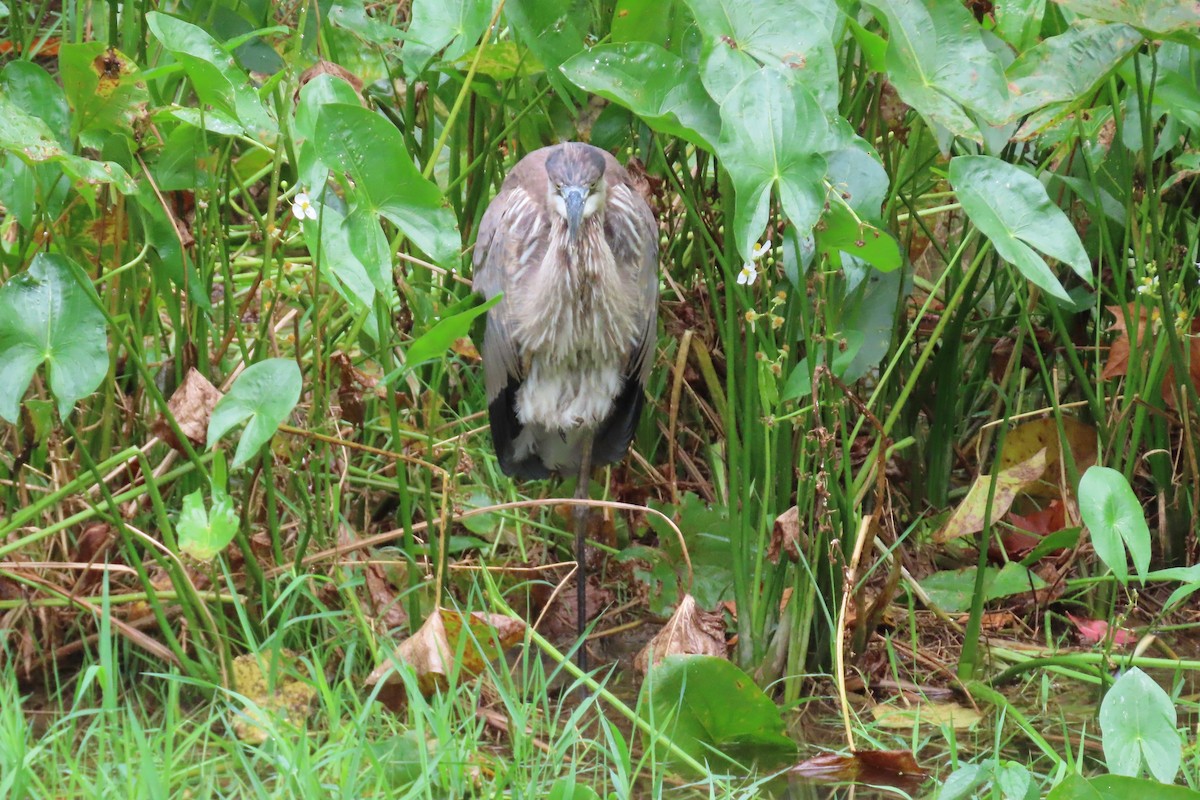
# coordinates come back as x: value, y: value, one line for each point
x: 47, y: 316
x: 773, y: 135
x: 1159, y: 17
x: 1011, y: 208
x: 370, y: 150
x: 264, y: 394
x: 1115, y: 519
x: 1138, y: 723
x: 203, y: 533
x: 939, y: 63
x: 214, y: 74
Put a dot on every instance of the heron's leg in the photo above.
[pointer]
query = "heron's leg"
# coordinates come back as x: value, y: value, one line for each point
x: 581, y: 517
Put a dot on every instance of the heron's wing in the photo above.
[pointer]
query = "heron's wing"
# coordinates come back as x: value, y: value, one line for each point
x: 493, y: 251
x: 613, y: 437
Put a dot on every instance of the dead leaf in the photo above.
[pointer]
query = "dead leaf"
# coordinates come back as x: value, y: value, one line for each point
x: 1027, y: 438
x: 191, y: 405
x: 1117, y: 364
x: 1094, y: 631
x: 690, y: 631
x: 936, y: 713
x: 968, y: 518
x: 430, y: 651
x: 786, y: 537
x: 465, y: 348
x: 274, y: 696
x: 876, y: 767
x: 384, y: 600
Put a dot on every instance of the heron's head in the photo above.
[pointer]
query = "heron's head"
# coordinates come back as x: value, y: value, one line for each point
x: 575, y: 178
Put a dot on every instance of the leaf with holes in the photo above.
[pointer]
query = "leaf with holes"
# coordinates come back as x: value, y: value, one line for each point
x: 264, y: 394
x: 46, y: 315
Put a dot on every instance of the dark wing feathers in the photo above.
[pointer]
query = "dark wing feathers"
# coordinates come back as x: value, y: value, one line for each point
x: 497, y: 250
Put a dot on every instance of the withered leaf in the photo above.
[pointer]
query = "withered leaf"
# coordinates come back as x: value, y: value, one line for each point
x: 191, y: 406
x: 968, y: 518
x: 690, y: 631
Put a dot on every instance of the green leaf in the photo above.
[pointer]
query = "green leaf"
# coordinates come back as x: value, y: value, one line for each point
x: 705, y: 531
x: 773, y: 135
x: 214, y: 74
x: 710, y: 708
x: 371, y: 152
x: 1120, y: 787
x: 46, y: 315
x: 569, y: 789
x: 450, y: 25
x: 264, y: 394
x: 952, y: 590
x: 789, y: 36
x: 1114, y: 517
x: 1011, y: 208
x: 29, y: 138
x: 437, y: 340
x: 104, y: 89
x: 33, y: 90
x: 549, y: 28
x: 1138, y: 722
x: 658, y: 86
x: 939, y: 63
x: 1069, y: 66
x: 1159, y: 17
x: 203, y: 534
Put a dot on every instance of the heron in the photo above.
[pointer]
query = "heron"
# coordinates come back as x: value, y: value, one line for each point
x: 572, y: 246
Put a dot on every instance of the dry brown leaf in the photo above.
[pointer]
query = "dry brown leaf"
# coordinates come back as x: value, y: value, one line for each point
x: 786, y: 537
x: 863, y: 766
x: 968, y: 517
x: 191, y: 406
x: 1117, y: 364
x: 690, y: 631
x: 384, y: 602
x: 431, y: 650
x: 465, y: 348
x: 274, y: 697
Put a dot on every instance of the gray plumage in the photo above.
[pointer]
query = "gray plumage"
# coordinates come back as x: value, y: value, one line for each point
x: 574, y: 248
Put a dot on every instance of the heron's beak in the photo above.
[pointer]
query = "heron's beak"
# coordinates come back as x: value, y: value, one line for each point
x: 574, y: 197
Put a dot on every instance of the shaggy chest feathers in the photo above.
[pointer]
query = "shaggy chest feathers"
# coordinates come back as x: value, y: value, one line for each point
x: 579, y: 325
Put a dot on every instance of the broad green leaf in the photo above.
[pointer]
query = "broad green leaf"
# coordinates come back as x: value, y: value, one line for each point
x: 705, y: 531
x: 104, y: 89
x: 338, y: 259
x: 840, y: 230
x: 1115, y: 519
x: 1011, y: 208
x: 47, y: 316
x: 33, y: 90
x: 28, y: 137
x: 773, y: 135
x: 661, y: 22
x: 658, y: 86
x: 1069, y: 66
x: 791, y: 36
x: 503, y: 60
x: 554, y: 30
x: 371, y: 152
x: 205, y: 533
x: 264, y: 394
x: 450, y: 25
x: 952, y: 590
x: 939, y: 63
x: 569, y: 789
x: 709, y: 708
x: 1159, y: 17
x: 1018, y: 21
x: 437, y: 340
x: 1121, y: 787
x: 1138, y: 723
x: 214, y: 74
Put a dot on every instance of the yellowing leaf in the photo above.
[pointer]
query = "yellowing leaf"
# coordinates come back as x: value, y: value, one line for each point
x: 1026, y: 439
x: 968, y: 518
x: 956, y: 716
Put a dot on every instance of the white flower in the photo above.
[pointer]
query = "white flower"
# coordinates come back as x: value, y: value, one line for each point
x: 748, y: 274
x: 302, y: 207
x: 1148, y: 285
x: 760, y: 250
